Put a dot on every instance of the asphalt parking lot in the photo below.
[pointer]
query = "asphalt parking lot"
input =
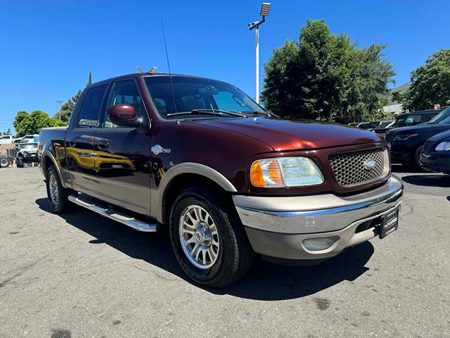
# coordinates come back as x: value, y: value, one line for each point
x: 80, y: 275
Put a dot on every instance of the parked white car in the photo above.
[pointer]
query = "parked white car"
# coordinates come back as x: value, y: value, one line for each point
x: 30, y: 139
x: 6, y: 139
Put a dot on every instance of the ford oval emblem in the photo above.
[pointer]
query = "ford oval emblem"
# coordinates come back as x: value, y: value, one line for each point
x: 369, y: 164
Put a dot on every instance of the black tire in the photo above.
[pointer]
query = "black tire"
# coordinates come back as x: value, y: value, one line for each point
x: 5, y: 162
x: 234, y: 256
x: 19, y: 162
x: 59, y: 203
x: 417, y: 162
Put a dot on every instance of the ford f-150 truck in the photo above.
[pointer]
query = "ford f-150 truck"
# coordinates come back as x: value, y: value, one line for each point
x: 228, y: 179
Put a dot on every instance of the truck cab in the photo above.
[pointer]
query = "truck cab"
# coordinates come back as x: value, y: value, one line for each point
x: 228, y: 179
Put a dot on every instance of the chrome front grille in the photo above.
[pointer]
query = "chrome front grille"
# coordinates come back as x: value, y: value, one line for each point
x: 360, y: 167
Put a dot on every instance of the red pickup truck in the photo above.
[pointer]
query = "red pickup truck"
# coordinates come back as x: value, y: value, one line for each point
x: 227, y: 178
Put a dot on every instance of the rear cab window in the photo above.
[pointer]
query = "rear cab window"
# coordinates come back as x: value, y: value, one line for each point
x: 89, y: 114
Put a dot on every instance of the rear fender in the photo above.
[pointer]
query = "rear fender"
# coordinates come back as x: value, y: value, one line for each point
x: 44, y: 167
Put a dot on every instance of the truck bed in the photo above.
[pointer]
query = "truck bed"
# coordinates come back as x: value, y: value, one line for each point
x: 49, y: 135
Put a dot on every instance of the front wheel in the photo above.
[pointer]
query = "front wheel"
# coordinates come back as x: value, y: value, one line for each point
x: 418, y: 163
x: 208, y: 240
x: 19, y: 162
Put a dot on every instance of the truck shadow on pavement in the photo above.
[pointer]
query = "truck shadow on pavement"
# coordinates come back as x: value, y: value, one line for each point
x: 265, y: 281
x: 428, y: 180
x: 405, y: 169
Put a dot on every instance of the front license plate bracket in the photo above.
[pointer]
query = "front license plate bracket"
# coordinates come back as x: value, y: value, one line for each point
x: 389, y: 223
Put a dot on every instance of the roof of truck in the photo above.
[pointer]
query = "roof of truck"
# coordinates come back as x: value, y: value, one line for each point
x: 135, y: 75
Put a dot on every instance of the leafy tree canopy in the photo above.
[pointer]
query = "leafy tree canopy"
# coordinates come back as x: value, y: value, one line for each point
x: 31, y: 123
x: 66, y: 110
x: 8, y: 132
x: 325, y: 76
x: 430, y: 83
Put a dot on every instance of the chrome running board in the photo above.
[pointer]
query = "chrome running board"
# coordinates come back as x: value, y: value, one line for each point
x: 114, y: 215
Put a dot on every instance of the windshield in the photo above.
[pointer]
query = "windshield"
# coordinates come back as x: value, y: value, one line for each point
x: 192, y: 94
x: 364, y: 125
x: 445, y: 121
x: 439, y: 118
x: 400, y: 122
x: 28, y: 146
x: 29, y: 139
x: 385, y: 124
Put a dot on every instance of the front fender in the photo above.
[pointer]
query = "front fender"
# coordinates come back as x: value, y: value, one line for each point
x: 158, y: 195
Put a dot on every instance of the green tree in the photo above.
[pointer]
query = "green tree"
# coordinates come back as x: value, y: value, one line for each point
x: 430, y: 83
x: 325, y: 76
x: 398, y: 96
x: 21, y: 123
x: 32, y: 123
x: 8, y: 132
x: 66, y: 110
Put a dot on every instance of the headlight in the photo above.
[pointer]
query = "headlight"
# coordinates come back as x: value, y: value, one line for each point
x: 404, y: 137
x: 443, y: 146
x: 25, y: 153
x: 285, y: 172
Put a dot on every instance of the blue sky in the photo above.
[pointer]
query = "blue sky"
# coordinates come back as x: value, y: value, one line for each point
x: 47, y: 48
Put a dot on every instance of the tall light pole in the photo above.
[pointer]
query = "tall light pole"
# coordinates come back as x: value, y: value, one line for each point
x: 265, y: 7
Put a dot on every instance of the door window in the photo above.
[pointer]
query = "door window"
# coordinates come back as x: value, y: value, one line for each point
x: 88, y: 117
x: 125, y: 92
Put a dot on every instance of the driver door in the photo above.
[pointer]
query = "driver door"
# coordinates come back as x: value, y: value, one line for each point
x: 123, y: 157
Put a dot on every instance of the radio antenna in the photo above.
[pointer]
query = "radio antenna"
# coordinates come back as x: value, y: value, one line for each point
x: 168, y: 66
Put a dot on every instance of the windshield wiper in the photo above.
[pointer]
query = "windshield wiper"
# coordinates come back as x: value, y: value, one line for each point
x: 206, y: 111
x: 256, y: 112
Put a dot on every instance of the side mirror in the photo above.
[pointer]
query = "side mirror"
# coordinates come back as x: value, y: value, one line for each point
x: 123, y: 115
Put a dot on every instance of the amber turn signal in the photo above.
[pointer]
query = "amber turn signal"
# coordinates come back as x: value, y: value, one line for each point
x: 266, y: 173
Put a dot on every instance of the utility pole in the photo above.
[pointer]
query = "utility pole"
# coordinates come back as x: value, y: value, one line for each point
x: 265, y: 7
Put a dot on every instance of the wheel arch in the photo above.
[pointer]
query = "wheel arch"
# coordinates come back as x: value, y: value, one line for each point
x: 186, y: 175
x: 47, y: 160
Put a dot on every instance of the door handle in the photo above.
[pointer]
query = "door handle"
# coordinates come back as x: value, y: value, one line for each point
x: 102, y: 144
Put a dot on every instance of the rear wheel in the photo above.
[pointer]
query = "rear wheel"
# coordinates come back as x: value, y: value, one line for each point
x: 208, y: 240
x: 56, y: 193
x: 4, y: 162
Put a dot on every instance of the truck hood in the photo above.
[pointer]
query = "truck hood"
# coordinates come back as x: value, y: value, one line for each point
x: 441, y: 136
x: 292, y: 134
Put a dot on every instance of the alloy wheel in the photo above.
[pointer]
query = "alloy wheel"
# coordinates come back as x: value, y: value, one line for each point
x: 199, y: 237
x: 53, y: 188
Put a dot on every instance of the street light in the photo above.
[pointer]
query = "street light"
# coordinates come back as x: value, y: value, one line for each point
x: 265, y: 8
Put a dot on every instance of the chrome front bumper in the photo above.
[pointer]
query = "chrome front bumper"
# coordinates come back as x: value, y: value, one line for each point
x: 279, y: 226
